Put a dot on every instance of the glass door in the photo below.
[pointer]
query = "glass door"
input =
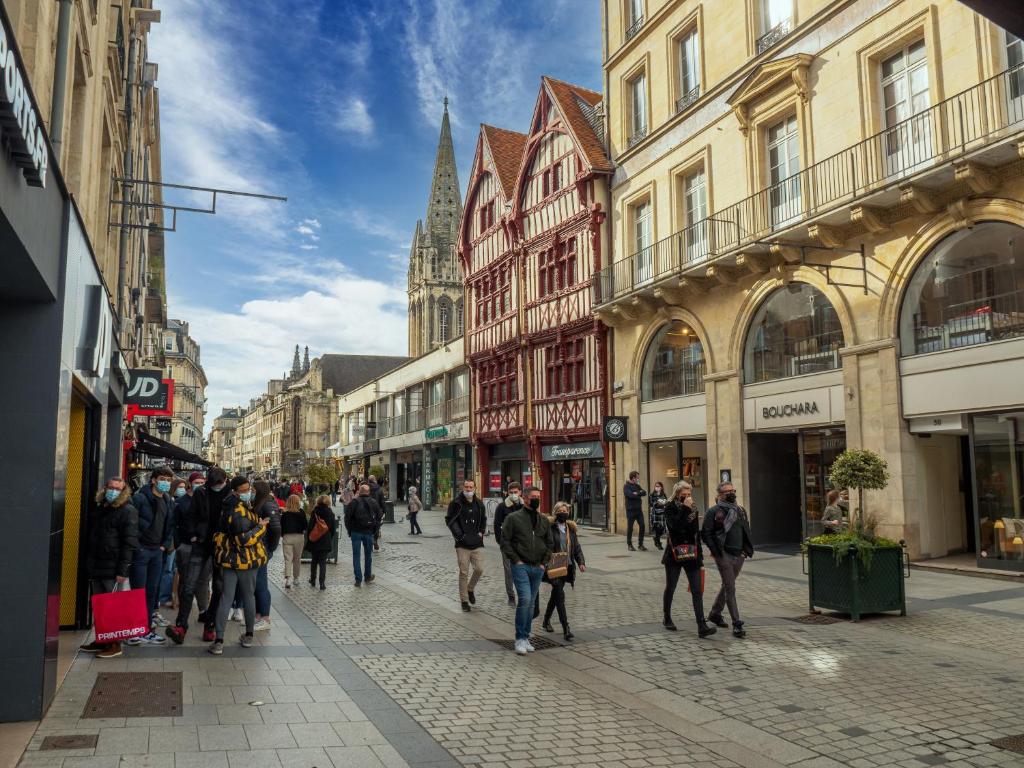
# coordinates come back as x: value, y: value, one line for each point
x: 818, y: 450
x: 1015, y: 78
x: 642, y: 229
x: 997, y: 452
x: 908, y: 141
x: 783, y: 170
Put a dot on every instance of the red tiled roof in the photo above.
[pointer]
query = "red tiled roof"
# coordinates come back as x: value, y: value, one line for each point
x: 507, y: 151
x: 565, y: 95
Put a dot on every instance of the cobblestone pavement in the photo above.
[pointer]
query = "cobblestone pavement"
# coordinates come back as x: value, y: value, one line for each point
x: 395, y: 674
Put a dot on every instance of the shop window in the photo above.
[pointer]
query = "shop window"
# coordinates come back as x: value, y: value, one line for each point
x: 674, y: 364
x: 564, y: 368
x: 969, y: 290
x: 796, y: 331
x: 998, y: 476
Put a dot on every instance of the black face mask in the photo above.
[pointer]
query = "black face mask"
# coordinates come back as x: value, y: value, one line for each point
x: 561, y: 517
x: 731, y: 498
x: 534, y: 504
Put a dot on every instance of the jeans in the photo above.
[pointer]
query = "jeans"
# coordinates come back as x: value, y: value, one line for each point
x: 245, y: 581
x: 638, y: 518
x: 167, y: 577
x: 729, y: 567
x: 556, y: 602
x: 414, y: 527
x: 527, y: 581
x: 292, y: 543
x: 145, y: 573
x: 467, y: 583
x: 364, y: 541
x: 262, y: 590
x: 194, y: 570
x: 318, y: 566
x: 693, y: 576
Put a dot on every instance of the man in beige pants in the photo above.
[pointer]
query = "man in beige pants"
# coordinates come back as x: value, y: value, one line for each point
x: 467, y: 520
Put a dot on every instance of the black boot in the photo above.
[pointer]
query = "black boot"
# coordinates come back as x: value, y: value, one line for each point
x: 567, y: 633
x: 705, y: 630
x: 669, y: 624
x: 547, y: 626
x: 631, y: 547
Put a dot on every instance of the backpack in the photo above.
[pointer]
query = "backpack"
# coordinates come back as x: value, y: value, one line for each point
x: 362, y: 516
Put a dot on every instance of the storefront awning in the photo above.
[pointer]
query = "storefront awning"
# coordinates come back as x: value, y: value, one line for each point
x: 146, y: 444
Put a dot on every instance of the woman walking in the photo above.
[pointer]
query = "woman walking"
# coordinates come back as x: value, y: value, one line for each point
x: 293, y: 539
x: 684, y: 555
x: 566, y: 539
x: 319, y: 540
x: 414, y: 509
x: 239, y: 551
x: 265, y: 507
x: 657, y: 501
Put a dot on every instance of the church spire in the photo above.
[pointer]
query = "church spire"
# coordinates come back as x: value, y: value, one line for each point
x: 295, y: 362
x: 305, y: 361
x: 445, y: 204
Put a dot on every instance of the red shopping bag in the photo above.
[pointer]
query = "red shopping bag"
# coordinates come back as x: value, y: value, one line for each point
x: 120, y: 615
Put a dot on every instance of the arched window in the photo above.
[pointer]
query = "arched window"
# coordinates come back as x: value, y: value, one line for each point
x: 796, y: 331
x: 674, y: 364
x: 458, y: 318
x: 969, y: 290
x: 444, y: 320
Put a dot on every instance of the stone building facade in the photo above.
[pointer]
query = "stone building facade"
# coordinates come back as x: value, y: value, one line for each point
x: 817, y: 235
x: 435, y: 277
x: 221, y: 443
x: 183, y: 365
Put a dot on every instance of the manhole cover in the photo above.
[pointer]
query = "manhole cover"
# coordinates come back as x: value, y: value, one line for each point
x: 540, y: 643
x: 135, y: 694
x: 1012, y: 743
x: 80, y: 741
x: 814, y: 618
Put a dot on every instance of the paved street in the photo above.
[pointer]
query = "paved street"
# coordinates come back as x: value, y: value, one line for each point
x: 394, y: 674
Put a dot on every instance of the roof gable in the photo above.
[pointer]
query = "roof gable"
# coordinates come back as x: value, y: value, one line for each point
x: 505, y: 149
x: 578, y: 107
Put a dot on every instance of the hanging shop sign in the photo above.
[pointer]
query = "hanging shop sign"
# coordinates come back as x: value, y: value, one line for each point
x: 20, y: 124
x: 148, y: 394
x: 616, y: 429
x: 164, y: 425
x: 435, y: 433
x: 572, y: 451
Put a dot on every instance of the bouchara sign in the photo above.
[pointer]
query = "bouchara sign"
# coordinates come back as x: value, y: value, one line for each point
x: 789, y: 409
x: 19, y: 119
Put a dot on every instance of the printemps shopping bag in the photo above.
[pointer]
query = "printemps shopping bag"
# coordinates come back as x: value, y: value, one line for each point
x: 120, y: 615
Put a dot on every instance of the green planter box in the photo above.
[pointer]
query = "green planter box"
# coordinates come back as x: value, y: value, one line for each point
x: 847, y: 587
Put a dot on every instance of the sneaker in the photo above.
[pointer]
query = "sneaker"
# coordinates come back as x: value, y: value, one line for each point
x: 261, y: 625
x: 209, y: 635
x: 154, y: 639
x: 176, y: 634
x: 521, y: 647
x: 472, y: 599
x: 216, y: 647
x: 236, y: 614
x: 287, y: 583
x: 159, y: 621
x: 529, y: 646
x: 112, y: 651
x: 465, y: 606
x: 370, y: 579
x: 92, y: 647
x: 738, y: 631
x: 246, y: 641
x: 718, y: 621
x: 359, y: 583
x: 133, y: 641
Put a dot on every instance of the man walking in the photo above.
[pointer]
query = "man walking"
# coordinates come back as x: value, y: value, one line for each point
x: 113, y: 539
x: 207, y: 506
x: 153, y: 503
x: 362, y: 519
x: 378, y: 495
x: 634, y: 509
x: 526, y: 541
x: 467, y: 520
x: 513, y: 502
x: 726, y: 531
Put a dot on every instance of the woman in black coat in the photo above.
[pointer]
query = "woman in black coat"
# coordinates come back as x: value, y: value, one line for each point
x: 566, y: 536
x: 321, y: 548
x: 682, y: 523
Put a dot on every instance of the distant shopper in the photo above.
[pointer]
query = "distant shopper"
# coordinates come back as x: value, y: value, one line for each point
x: 265, y: 507
x: 512, y: 502
x: 362, y: 519
x: 415, y: 505
x: 565, y: 538
x: 113, y: 539
x: 726, y: 531
x: 682, y: 518
x: 193, y: 556
x: 168, y: 597
x: 240, y: 550
x: 832, y: 516
x: 319, y: 541
x: 378, y: 495
x: 293, y: 539
x: 526, y: 542
x: 153, y: 503
x: 657, y: 502
x: 634, y: 509
x: 467, y: 520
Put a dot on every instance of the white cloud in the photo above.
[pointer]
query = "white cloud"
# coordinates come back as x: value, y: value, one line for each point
x: 308, y: 247
x: 374, y: 224
x: 305, y: 229
x: 354, y: 117
x: 314, y: 223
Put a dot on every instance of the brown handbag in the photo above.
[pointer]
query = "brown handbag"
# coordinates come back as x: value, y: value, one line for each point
x: 320, y: 529
x: 558, y: 565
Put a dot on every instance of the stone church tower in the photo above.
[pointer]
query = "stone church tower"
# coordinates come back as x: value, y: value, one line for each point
x: 435, y: 275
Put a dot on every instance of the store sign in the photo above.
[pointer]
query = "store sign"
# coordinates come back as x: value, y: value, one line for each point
x: 20, y: 123
x: 616, y: 429
x: 572, y: 451
x: 792, y: 409
x: 494, y: 481
x: 435, y: 433
x: 789, y: 409
x: 148, y: 394
x: 163, y: 425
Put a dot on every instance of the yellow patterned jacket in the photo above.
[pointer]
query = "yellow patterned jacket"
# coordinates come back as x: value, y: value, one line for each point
x: 238, y: 543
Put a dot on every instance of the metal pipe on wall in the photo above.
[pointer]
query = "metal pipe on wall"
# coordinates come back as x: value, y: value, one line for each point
x: 129, y: 164
x: 60, y: 77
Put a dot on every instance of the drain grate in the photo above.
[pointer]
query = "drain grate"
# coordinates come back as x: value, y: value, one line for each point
x: 540, y: 643
x: 616, y: 557
x: 397, y: 543
x: 135, y: 694
x: 1012, y: 743
x: 79, y: 741
x: 814, y: 618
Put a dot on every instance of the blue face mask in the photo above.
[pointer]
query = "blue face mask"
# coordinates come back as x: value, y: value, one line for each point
x: 180, y: 492
x: 247, y: 496
x: 111, y: 495
x: 163, y: 485
x: 196, y: 486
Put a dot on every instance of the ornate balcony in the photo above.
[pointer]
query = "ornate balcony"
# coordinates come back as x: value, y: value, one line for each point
x: 687, y: 99
x: 633, y: 29
x: 637, y: 137
x: 772, y: 37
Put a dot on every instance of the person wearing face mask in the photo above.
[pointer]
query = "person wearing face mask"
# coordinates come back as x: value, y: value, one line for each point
x: 202, y: 522
x: 526, y: 541
x: 320, y: 549
x: 156, y: 536
x: 512, y: 503
x: 634, y: 494
x: 657, y: 502
x: 169, y: 577
x: 414, y: 507
x: 239, y: 552
x: 565, y: 538
x: 193, y: 568
x: 467, y: 520
x: 112, y: 541
x: 726, y: 531
x: 362, y: 519
x: 683, y: 522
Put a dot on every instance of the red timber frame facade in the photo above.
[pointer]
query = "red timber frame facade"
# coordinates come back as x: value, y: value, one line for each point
x: 537, y: 353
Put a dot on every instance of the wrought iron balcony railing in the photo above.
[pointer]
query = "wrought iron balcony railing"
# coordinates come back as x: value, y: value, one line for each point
x: 638, y: 135
x: 687, y: 98
x: 634, y: 28
x: 772, y: 37
x: 990, y: 111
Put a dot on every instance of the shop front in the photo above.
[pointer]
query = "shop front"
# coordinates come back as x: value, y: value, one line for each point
x: 447, y: 461
x: 409, y: 471
x: 577, y: 475
x: 507, y: 462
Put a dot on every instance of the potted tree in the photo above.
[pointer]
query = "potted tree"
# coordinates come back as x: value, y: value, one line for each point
x: 853, y: 570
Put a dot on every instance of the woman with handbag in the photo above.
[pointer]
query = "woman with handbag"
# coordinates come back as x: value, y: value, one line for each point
x: 319, y: 539
x: 561, y: 568
x: 657, y: 501
x: 414, y: 509
x: 684, y: 555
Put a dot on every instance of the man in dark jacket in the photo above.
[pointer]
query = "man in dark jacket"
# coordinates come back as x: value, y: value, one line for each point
x: 634, y: 509
x: 726, y: 531
x: 113, y: 539
x: 156, y: 536
x: 512, y: 503
x: 526, y: 541
x: 467, y: 520
x: 378, y: 495
x: 362, y: 520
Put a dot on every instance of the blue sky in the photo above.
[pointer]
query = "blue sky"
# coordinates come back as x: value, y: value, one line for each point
x: 337, y: 106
